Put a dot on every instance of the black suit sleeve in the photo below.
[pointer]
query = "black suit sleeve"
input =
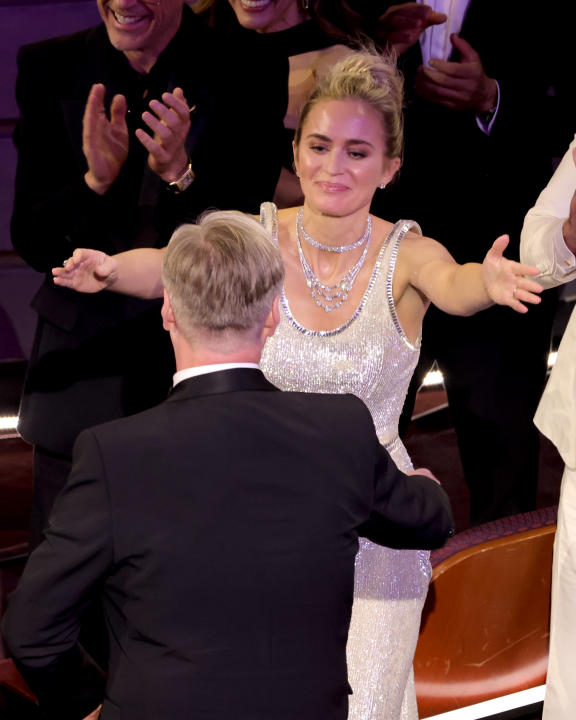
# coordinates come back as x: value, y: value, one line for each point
x: 409, y: 511
x: 53, y: 207
x: 61, y: 578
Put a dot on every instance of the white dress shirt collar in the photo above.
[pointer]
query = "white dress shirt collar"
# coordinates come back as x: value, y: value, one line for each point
x: 205, y: 369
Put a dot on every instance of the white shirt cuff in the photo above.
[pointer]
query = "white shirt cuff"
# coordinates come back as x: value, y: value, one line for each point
x: 565, y: 260
x: 486, y: 121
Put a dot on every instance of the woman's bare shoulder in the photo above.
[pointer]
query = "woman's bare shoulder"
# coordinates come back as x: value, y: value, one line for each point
x: 415, y: 248
x: 415, y: 242
x: 287, y: 214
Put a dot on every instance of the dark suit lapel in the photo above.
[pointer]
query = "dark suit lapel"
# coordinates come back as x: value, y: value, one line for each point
x: 184, y: 72
x: 223, y: 381
x: 98, y: 62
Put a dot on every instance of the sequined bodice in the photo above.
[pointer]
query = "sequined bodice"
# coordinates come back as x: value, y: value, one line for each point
x: 369, y: 355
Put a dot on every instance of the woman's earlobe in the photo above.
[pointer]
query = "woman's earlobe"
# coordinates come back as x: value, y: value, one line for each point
x: 295, y: 155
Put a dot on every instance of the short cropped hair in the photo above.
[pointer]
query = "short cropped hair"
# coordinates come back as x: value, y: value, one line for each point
x: 222, y: 273
x: 370, y: 77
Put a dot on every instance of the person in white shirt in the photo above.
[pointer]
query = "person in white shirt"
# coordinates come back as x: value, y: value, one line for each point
x: 549, y: 241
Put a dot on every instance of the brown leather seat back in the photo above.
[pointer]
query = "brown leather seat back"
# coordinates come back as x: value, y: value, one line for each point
x: 486, y: 623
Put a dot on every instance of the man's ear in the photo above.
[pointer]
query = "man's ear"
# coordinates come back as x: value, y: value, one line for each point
x: 168, y: 319
x: 272, y: 319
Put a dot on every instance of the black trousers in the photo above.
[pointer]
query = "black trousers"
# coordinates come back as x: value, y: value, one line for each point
x: 494, y: 368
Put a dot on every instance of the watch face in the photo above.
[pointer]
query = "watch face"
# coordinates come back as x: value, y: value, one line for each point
x: 184, y: 182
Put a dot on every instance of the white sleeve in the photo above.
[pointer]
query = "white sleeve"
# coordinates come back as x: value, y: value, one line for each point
x: 541, y: 242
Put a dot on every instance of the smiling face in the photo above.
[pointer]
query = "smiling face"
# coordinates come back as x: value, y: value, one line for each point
x: 268, y: 15
x: 141, y: 29
x: 341, y: 157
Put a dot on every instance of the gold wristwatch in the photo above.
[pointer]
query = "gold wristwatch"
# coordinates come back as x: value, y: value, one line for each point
x: 184, y: 181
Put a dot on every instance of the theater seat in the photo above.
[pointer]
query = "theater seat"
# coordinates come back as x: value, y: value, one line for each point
x: 12, y: 681
x: 486, y: 620
x: 16, y: 698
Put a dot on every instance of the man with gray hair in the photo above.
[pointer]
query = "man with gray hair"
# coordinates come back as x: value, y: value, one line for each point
x: 221, y: 526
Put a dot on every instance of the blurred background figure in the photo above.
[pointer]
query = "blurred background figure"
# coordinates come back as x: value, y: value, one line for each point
x: 311, y: 34
x: 131, y: 120
x: 476, y: 105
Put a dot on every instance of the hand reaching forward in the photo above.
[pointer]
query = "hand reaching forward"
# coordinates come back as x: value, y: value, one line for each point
x: 95, y: 714
x: 505, y: 280
x: 87, y: 271
x: 400, y: 26
x: 460, y: 85
x: 104, y: 141
x: 426, y: 472
x: 170, y: 123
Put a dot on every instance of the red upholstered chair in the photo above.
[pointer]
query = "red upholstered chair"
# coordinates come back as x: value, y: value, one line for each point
x: 11, y: 680
x: 16, y: 698
x: 485, y: 624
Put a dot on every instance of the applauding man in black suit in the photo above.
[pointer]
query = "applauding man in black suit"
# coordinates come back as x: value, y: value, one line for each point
x: 137, y: 128
x: 221, y: 527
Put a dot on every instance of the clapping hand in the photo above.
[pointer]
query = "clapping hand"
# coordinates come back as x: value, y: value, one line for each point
x: 505, y: 280
x: 104, y: 141
x: 459, y: 85
x: 169, y: 122
x: 87, y: 271
x: 400, y: 26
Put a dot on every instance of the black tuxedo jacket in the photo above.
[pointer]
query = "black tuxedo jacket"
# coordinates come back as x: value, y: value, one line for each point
x: 221, y: 528
x: 86, y: 364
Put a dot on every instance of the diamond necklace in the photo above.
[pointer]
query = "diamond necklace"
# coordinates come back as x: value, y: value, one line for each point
x: 332, y: 248
x: 331, y: 297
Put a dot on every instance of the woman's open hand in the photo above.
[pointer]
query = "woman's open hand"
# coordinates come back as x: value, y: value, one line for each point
x: 87, y: 271
x: 505, y: 280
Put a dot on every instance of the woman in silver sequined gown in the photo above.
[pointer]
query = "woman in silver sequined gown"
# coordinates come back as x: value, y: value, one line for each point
x: 372, y: 358
x: 351, y: 315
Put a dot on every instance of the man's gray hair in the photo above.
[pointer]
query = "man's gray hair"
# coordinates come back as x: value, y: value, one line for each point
x: 222, y: 274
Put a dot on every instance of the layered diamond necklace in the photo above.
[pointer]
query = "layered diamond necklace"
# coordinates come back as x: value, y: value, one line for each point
x: 331, y: 297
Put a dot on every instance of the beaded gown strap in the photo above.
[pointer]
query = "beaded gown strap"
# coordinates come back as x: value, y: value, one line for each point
x: 269, y: 219
x: 395, y: 238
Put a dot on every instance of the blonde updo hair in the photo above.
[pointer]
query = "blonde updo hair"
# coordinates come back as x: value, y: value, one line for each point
x: 372, y: 78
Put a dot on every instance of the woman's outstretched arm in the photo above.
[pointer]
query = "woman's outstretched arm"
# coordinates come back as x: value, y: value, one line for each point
x: 466, y: 289
x: 135, y: 272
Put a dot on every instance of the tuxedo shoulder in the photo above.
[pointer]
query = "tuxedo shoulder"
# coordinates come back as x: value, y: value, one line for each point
x: 62, y: 48
x: 344, y: 399
x: 335, y: 403
x: 138, y: 425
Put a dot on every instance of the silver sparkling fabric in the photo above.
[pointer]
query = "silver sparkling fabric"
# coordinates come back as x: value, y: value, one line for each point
x: 370, y: 357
